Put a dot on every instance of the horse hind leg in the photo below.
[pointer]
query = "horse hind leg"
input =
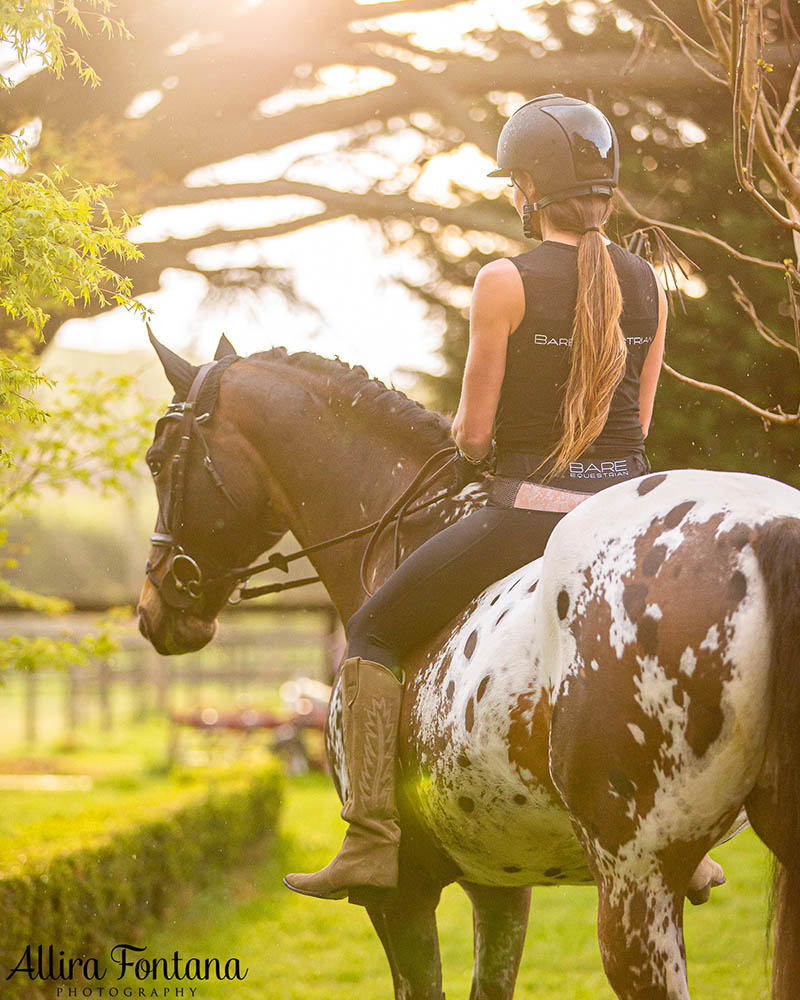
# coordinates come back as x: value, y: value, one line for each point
x: 642, y: 857
x: 500, y: 919
x: 643, y: 873
x: 405, y: 920
x: 640, y: 930
x: 772, y: 822
x: 773, y: 805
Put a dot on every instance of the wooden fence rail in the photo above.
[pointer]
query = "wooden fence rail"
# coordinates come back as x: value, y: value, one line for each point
x: 254, y: 653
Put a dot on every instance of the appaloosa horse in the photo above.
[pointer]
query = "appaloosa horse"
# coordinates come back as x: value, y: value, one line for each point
x: 603, y: 715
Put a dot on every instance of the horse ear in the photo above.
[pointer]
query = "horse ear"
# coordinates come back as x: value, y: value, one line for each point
x: 180, y: 373
x: 224, y: 348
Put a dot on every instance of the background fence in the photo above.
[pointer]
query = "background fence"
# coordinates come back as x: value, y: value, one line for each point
x: 254, y: 652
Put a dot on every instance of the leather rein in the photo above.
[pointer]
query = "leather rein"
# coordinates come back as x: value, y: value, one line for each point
x: 183, y: 585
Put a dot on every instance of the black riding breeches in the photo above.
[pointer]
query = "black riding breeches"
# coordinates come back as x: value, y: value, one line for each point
x: 444, y: 574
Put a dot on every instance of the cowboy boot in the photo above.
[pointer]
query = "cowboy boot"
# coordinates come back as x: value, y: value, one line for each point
x: 367, y: 859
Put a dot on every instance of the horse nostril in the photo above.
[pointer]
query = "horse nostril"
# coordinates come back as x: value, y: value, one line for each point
x: 143, y: 623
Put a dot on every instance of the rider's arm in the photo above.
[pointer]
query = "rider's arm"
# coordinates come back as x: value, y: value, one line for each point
x: 652, y: 364
x: 498, y: 306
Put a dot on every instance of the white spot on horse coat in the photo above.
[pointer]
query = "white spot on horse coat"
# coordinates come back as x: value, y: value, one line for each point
x: 637, y: 733
x: 688, y: 661
x: 711, y: 641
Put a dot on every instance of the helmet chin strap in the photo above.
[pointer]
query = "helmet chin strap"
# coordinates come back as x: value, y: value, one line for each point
x: 528, y: 230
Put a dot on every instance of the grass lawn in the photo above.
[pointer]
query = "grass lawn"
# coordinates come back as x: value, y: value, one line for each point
x: 304, y: 949
x: 123, y: 767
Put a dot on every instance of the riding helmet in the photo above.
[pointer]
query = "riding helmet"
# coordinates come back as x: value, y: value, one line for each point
x: 567, y: 146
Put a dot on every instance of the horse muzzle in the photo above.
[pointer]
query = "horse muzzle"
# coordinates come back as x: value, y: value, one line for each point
x: 169, y: 609
x: 170, y: 633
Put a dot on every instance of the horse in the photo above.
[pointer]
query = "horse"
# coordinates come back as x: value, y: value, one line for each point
x: 604, y: 715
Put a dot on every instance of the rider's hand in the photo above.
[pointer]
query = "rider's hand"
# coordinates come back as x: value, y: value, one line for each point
x: 465, y: 471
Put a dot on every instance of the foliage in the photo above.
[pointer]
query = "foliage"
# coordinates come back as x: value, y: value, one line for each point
x: 56, y: 237
x: 90, y: 436
x: 53, y: 251
x: 55, y: 233
x: 93, y: 884
x: 36, y: 28
x: 24, y: 653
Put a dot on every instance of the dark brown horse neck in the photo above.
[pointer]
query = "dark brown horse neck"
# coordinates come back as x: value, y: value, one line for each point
x: 336, y: 448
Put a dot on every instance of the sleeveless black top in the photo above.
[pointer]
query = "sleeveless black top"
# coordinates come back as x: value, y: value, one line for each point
x: 538, y: 359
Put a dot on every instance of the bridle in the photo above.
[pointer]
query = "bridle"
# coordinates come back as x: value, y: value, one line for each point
x: 183, y: 585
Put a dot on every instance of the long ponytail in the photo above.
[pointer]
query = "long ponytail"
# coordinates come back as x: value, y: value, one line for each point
x: 599, y: 351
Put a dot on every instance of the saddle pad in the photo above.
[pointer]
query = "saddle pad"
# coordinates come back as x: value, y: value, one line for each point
x: 507, y: 492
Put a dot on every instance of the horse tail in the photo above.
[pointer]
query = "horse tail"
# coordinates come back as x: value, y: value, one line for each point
x: 774, y: 805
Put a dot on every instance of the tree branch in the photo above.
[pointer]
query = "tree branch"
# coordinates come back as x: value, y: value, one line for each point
x: 368, y: 205
x: 678, y: 33
x: 698, y: 233
x: 175, y: 248
x: 771, y: 416
x: 710, y: 19
x: 762, y: 329
x: 746, y: 110
x: 369, y: 11
x: 792, y: 100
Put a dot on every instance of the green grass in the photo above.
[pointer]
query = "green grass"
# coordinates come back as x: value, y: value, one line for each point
x: 130, y: 780
x: 302, y: 949
x: 123, y: 766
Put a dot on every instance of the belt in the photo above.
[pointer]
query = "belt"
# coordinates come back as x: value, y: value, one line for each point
x: 506, y: 491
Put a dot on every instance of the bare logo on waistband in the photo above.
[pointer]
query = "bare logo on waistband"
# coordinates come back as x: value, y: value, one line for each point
x: 598, y: 470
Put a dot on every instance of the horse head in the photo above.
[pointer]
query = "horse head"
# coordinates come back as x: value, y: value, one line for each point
x: 214, y: 512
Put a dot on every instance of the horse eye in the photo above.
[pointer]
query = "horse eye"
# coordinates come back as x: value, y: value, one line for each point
x: 155, y: 466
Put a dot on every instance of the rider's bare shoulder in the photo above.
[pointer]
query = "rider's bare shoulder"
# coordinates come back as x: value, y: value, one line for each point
x: 498, y: 290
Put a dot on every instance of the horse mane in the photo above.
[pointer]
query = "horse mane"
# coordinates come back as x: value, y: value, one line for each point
x: 369, y: 396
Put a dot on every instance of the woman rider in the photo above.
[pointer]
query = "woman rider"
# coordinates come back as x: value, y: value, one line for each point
x: 565, y: 349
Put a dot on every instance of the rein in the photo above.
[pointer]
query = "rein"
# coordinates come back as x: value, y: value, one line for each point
x: 399, y: 509
x: 183, y: 584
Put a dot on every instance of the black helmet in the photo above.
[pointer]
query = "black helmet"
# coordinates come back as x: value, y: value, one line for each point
x: 567, y: 146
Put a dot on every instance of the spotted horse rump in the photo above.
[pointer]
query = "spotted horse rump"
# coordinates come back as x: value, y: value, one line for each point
x: 601, y: 714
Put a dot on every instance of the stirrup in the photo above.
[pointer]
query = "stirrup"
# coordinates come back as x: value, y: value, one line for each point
x: 367, y: 895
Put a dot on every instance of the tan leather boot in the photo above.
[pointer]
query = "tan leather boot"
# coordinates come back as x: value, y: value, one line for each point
x: 371, y: 698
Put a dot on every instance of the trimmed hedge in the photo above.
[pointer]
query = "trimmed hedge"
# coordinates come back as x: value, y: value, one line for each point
x: 82, y: 900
